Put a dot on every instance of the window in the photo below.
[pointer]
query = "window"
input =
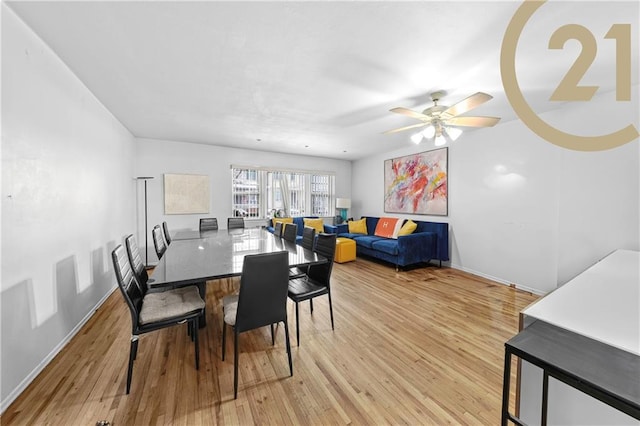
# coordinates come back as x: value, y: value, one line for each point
x: 265, y: 192
x: 246, y: 193
x: 321, y: 191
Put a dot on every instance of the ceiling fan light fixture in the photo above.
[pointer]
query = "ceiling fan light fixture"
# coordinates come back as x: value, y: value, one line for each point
x: 429, y: 132
x: 416, y: 138
x: 440, y: 140
x: 454, y: 133
x: 438, y: 128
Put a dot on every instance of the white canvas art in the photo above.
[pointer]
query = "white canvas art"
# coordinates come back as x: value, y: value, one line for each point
x: 186, y: 194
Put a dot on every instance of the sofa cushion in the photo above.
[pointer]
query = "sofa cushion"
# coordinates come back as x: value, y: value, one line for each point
x: 299, y: 221
x: 387, y: 245
x: 366, y: 240
x: 372, y: 223
x: 317, y: 224
x: 281, y: 219
x: 349, y: 235
x: 357, y: 226
x: 388, y: 227
x: 408, y: 228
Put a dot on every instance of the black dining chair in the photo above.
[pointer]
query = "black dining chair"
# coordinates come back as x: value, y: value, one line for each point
x: 208, y: 224
x: 290, y: 232
x: 154, y: 311
x: 235, y: 223
x: 167, y: 236
x: 277, y: 229
x: 308, y: 237
x: 261, y: 301
x: 308, y: 240
x: 158, y: 241
x: 133, y: 253
x: 317, y: 281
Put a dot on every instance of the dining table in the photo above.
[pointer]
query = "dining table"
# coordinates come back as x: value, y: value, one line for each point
x: 193, y: 234
x: 211, y: 255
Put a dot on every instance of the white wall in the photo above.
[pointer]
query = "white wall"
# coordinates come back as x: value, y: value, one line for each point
x: 599, y: 193
x: 157, y: 157
x: 524, y: 211
x: 521, y: 210
x: 67, y: 192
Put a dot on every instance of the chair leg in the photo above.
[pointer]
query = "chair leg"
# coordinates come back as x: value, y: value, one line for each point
x: 273, y: 338
x: 202, y: 289
x: 330, y: 309
x: 311, y: 305
x: 297, y: 325
x: 134, y: 339
x: 195, y: 326
x: 224, y: 337
x: 132, y: 356
x: 235, y: 364
x: 288, y: 343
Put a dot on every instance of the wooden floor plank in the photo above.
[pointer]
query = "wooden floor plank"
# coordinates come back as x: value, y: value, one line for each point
x: 423, y: 345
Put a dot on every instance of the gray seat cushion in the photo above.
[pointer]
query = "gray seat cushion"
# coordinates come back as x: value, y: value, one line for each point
x: 230, y: 308
x: 168, y: 304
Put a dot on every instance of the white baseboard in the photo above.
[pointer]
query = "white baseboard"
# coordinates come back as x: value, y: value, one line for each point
x: 498, y: 280
x: 55, y: 351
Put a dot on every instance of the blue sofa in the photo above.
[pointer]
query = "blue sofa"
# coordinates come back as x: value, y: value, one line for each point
x: 430, y: 241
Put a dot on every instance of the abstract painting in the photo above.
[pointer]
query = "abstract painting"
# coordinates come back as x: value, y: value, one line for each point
x: 417, y: 183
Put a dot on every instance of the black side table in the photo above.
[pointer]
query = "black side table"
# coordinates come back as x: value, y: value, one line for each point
x: 604, y: 372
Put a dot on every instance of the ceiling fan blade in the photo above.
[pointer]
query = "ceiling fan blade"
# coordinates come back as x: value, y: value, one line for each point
x: 410, y: 113
x: 467, y: 104
x: 473, y: 121
x: 413, y: 126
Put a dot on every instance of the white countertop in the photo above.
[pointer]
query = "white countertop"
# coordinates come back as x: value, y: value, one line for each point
x: 602, y: 303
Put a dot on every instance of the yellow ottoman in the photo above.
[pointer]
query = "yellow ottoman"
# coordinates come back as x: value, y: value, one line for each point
x: 345, y: 250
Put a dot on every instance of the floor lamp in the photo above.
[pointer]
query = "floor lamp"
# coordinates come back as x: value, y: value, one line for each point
x: 146, y: 228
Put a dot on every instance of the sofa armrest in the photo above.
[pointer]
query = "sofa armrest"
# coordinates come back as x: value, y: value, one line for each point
x: 441, y: 231
x: 417, y: 247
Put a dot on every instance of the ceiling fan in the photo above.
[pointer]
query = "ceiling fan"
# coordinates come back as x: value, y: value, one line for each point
x: 438, y: 118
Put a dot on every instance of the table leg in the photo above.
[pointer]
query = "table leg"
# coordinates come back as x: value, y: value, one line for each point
x: 505, y: 387
x: 545, y: 397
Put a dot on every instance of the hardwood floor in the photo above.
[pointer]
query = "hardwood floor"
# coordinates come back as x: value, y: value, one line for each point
x: 423, y: 346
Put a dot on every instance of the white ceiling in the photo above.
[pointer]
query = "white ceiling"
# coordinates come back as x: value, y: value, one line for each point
x: 312, y: 78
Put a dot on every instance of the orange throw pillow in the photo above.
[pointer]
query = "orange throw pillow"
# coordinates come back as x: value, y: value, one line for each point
x: 388, y: 227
